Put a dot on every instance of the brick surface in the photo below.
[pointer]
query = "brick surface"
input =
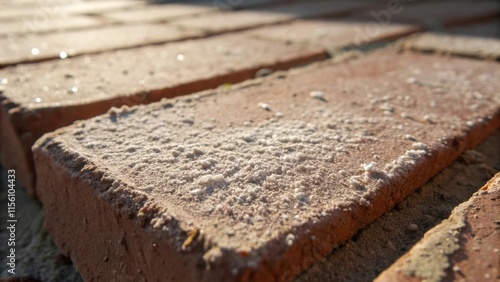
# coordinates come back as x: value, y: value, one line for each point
x: 42, y: 97
x: 333, y: 34
x: 45, y: 47
x: 27, y: 27
x: 260, y: 181
x: 479, y: 47
x: 158, y: 13
x: 433, y: 14
x: 54, y: 9
x: 464, y: 247
x: 379, y: 245
x: 230, y: 21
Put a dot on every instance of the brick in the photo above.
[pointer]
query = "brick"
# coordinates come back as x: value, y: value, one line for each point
x: 230, y: 21
x: 379, y: 245
x: 158, y: 13
x: 27, y: 27
x: 433, y: 14
x: 470, y: 46
x: 462, y: 248
x: 53, y: 9
x: 333, y: 34
x: 258, y: 182
x: 42, y: 97
x: 44, y: 47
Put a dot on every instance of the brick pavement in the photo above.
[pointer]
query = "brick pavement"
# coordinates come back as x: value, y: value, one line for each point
x: 234, y: 163
x: 449, y: 104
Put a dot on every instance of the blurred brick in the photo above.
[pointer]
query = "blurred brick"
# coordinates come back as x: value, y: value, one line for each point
x: 38, y: 98
x: 27, y: 27
x: 34, y: 48
x: 433, y: 14
x: 483, y: 29
x: 465, y: 247
x: 224, y: 21
x: 470, y: 46
x: 53, y: 9
x: 158, y: 13
x: 259, y: 181
x: 334, y: 33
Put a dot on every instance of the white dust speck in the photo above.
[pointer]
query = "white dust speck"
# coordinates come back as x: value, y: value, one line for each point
x: 320, y: 95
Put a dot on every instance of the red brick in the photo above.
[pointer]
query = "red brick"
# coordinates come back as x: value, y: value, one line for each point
x: 44, y: 47
x: 334, y: 33
x: 264, y: 179
x: 465, y: 247
x: 230, y: 21
x: 54, y: 9
x: 158, y: 13
x: 470, y: 46
x: 433, y: 14
x: 27, y: 27
x: 40, y: 98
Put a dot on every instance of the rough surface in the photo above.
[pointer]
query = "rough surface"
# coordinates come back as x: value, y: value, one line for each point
x: 70, y: 43
x: 239, y: 20
x: 219, y: 178
x: 42, y: 97
x: 470, y: 46
x: 463, y: 247
x: 333, y: 33
x: 37, y: 256
x: 361, y: 259
x: 378, y: 246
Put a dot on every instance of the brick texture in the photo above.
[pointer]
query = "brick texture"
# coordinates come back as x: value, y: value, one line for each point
x: 158, y: 13
x: 53, y: 9
x: 334, y: 33
x: 63, y: 91
x: 231, y: 21
x: 24, y: 28
x: 478, y: 47
x: 465, y: 247
x: 45, y: 47
x: 260, y: 181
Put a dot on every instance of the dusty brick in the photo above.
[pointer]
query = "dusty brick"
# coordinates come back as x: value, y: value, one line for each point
x: 260, y: 181
x: 471, y: 46
x: 230, y: 21
x: 54, y: 9
x: 42, y: 97
x: 433, y: 14
x: 44, y: 47
x: 27, y: 27
x: 158, y: 13
x: 334, y: 33
x: 465, y: 247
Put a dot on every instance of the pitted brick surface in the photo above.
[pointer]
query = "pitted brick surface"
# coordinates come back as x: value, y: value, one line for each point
x: 259, y: 181
x: 465, y: 247
x: 42, y: 97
